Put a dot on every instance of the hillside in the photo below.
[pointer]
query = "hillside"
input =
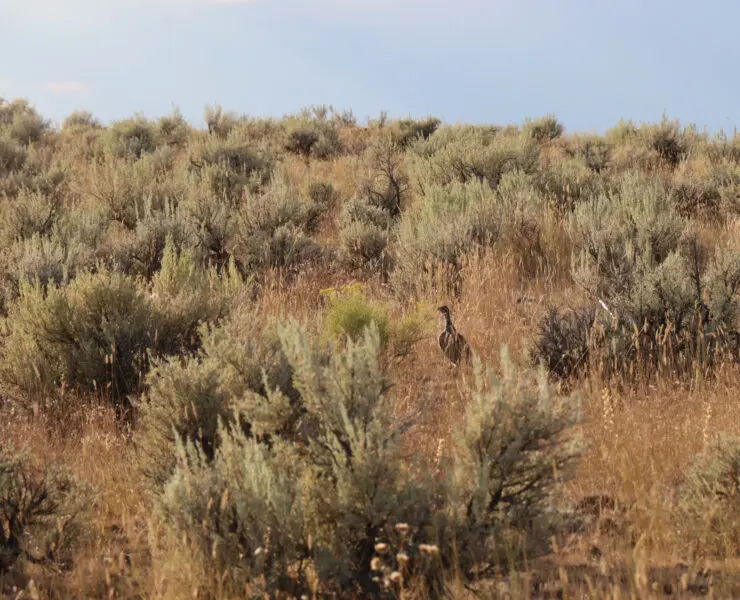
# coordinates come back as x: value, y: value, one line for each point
x: 220, y: 373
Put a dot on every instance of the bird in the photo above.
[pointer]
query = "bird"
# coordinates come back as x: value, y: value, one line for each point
x: 453, y: 344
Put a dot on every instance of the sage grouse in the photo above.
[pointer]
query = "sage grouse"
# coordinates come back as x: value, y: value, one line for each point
x: 453, y: 344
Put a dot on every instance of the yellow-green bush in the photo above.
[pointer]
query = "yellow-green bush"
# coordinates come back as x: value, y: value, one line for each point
x: 350, y: 313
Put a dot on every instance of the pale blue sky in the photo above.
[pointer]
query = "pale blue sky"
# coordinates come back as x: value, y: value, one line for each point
x: 590, y: 62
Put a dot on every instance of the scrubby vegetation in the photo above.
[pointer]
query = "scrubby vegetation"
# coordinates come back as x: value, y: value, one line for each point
x: 219, y: 374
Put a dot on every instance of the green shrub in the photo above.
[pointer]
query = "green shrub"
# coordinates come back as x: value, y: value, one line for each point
x: 595, y: 151
x: 39, y: 513
x: 226, y: 166
x: 12, y: 155
x: 172, y: 130
x: 512, y: 455
x: 543, y: 129
x: 312, y: 136
x: 272, y: 228
x: 415, y: 325
x: 326, y: 501
x: 450, y: 223
x: 21, y: 122
x: 350, y: 313
x: 406, y: 131
x: 466, y: 154
x: 219, y: 122
x: 92, y: 335
x: 709, y: 497
x: 323, y: 490
x: 185, y: 401
x: 132, y: 138
x: 364, y: 233
x: 80, y: 120
x: 184, y: 295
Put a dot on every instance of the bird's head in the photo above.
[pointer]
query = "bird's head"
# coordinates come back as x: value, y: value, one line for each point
x: 444, y: 310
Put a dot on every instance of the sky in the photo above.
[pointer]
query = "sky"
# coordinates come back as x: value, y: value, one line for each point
x: 588, y: 62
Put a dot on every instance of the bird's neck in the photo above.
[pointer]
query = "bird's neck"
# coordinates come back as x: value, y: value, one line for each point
x: 449, y: 327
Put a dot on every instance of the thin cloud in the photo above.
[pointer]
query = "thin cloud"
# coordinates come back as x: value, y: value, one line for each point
x: 67, y: 87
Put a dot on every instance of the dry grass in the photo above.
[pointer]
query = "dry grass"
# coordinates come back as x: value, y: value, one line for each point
x: 639, y: 445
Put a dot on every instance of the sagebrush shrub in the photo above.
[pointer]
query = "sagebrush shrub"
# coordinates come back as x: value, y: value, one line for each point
x: 512, y: 453
x: 723, y: 289
x: 407, y: 131
x: 31, y: 213
x: 450, y: 223
x: 132, y: 138
x: 92, y: 335
x: 132, y: 189
x: 12, y: 155
x: 561, y: 341
x: 320, y: 480
x: 616, y: 236
x: 272, y: 228
x: 209, y: 224
x: 172, y: 130
x: 139, y: 251
x: 543, y: 129
x: 595, y: 152
x: 186, y: 401
x: 693, y: 194
x: 323, y: 194
x: 185, y: 295
x: 21, y: 122
x: 227, y: 165
x: 666, y: 303
x: 48, y: 260
x: 80, y: 120
x: 39, y: 513
x: 434, y: 238
x: 467, y: 154
x: 709, y: 497
x: 342, y: 490
x: 312, y: 137
x: 387, y: 185
x: 219, y: 122
x: 364, y: 232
